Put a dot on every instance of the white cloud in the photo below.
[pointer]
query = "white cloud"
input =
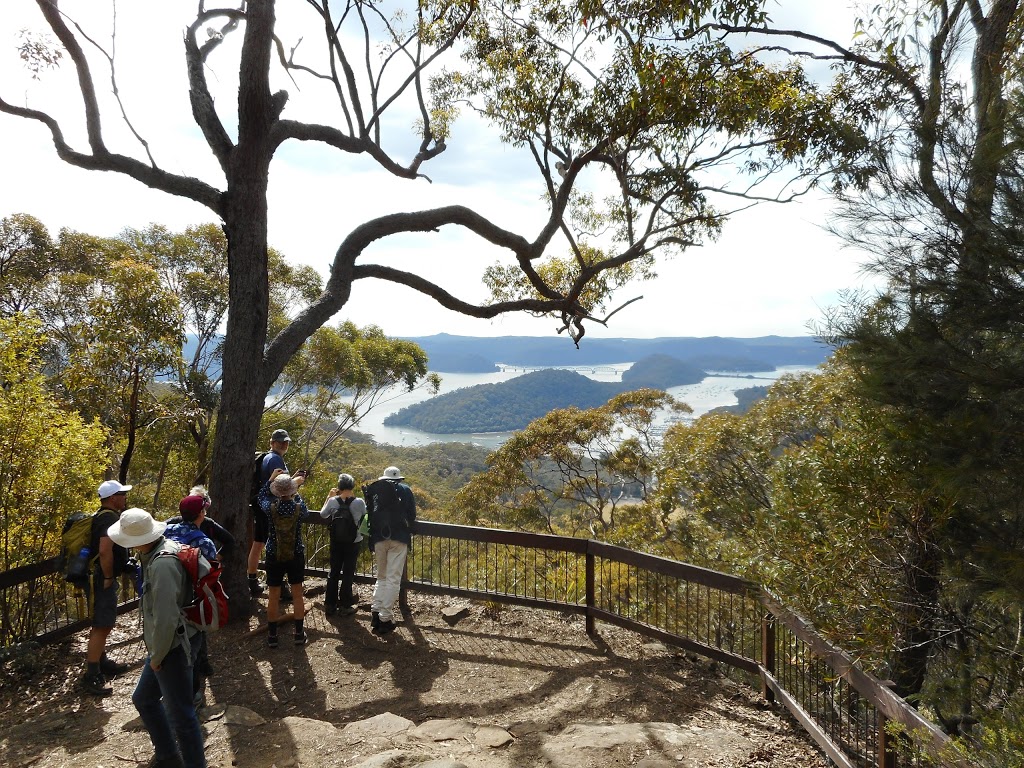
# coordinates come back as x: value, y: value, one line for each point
x: 771, y: 272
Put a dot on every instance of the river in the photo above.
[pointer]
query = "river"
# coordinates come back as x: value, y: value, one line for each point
x: 714, y: 391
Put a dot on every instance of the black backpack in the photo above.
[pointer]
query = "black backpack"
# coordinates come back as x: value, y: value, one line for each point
x: 384, y: 506
x: 343, y: 528
x: 257, y: 478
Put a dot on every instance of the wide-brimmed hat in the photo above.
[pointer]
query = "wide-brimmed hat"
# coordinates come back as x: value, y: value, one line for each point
x: 135, y: 528
x: 284, y: 485
x: 391, y: 473
x: 109, y: 487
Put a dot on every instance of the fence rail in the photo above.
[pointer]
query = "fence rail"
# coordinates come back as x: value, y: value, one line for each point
x: 734, y: 621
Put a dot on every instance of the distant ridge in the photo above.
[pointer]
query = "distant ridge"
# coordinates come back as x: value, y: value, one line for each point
x: 475, y: 354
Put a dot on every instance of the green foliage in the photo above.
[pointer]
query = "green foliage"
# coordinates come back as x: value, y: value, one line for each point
x: 27, y: 259
x: 435, y: 472
x: 805, y: 494
x: 575, y: 471
x: 340, y: 375
x: 52, y: 460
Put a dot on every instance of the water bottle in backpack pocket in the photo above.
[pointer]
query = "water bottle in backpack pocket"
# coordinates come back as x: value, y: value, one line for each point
x: 75, y: 553
x: 78, y: 568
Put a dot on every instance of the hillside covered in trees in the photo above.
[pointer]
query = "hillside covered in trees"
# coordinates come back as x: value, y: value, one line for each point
x: 504, y: 407
x: 511, y: 405
x: 661, y: 372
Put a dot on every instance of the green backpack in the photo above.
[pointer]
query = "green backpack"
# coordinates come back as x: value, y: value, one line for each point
x: 76, y: 559
x: 285, y: 529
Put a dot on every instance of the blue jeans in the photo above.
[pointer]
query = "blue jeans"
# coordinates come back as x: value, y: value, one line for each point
x: 172, y: 725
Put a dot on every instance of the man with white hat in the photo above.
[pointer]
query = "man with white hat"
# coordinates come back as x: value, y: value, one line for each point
x: 163, y: 695
x: 391, y: 506
x: 101, y: 589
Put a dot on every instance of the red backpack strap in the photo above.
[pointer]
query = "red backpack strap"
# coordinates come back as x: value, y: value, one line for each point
x: 189, y: 558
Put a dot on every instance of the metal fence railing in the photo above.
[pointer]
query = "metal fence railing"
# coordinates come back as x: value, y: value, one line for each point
x: 843, y: 708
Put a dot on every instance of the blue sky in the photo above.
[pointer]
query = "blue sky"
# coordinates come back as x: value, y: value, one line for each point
x: 773, y: 270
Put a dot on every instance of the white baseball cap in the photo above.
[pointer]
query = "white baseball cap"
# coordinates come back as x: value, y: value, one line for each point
x: 109, y: 487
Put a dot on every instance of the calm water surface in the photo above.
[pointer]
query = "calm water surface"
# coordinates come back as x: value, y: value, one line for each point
x: 714, y: 391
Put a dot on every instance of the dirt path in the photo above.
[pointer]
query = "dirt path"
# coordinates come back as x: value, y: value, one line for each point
x: 526, y: 671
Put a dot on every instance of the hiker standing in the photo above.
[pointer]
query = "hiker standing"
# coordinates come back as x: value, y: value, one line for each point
x: 189, y: 531
x: 101, y: 589
x: 345, y: 510
x: 163, y: 695
x: 214, y: 531
x: 392, y: 509
x: 273, y: 461
x: 286, y: 554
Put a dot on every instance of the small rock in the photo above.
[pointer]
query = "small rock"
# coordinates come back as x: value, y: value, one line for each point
x: 443, y: 730
x: 526, y: 727
x: 384, y: 724
x: 235, y: 715
x: 453, y: 613
x: 492, y: 736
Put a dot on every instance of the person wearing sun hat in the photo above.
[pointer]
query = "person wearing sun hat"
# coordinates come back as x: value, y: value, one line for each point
x: 101, y: 589
x: 187, y: 529
x: 273, y: 461
x: 163, y: 695
x: 286, y: 552
x: 392, y: 512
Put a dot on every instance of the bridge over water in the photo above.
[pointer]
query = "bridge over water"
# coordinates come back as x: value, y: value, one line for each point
x: 604, y: 369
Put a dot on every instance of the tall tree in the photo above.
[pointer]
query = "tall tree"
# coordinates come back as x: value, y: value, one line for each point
x: 577, y: 471
x: 631, y: 132
x: 945, y: 344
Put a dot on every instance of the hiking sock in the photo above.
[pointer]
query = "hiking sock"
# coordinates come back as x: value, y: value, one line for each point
x: 272, y: 634
x: 300, y: 632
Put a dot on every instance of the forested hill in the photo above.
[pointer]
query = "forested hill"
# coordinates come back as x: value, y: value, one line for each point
x: 504, y: 407
x: 473, y: 354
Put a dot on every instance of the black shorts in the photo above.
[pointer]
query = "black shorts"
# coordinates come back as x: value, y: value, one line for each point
x: 104, y: 604
x: 294, y: 569
x: 260, y: 525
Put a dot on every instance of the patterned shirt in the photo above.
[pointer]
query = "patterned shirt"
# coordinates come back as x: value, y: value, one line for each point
x: 287, y: 508
x: 190, y: 535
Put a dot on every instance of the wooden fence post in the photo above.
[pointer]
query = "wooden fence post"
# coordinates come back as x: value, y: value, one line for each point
x: 886, y: 751
x: 591, y: 629
x: 768, y: 653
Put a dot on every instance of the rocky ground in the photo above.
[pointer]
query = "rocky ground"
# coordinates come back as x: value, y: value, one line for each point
x: 493, y: 687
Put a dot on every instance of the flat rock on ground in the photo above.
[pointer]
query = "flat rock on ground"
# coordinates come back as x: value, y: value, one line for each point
x: 504, y: 688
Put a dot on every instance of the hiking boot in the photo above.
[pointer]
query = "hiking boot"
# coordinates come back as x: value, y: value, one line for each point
x: 374, y: 620
x: 384, y: 628
x: 348, y: 610
x: 95, y: 684
x: 255, y: 588
x: 301, y: 638
x: 330, y: 610
x: 111, y: 668
x: 174, y: 761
